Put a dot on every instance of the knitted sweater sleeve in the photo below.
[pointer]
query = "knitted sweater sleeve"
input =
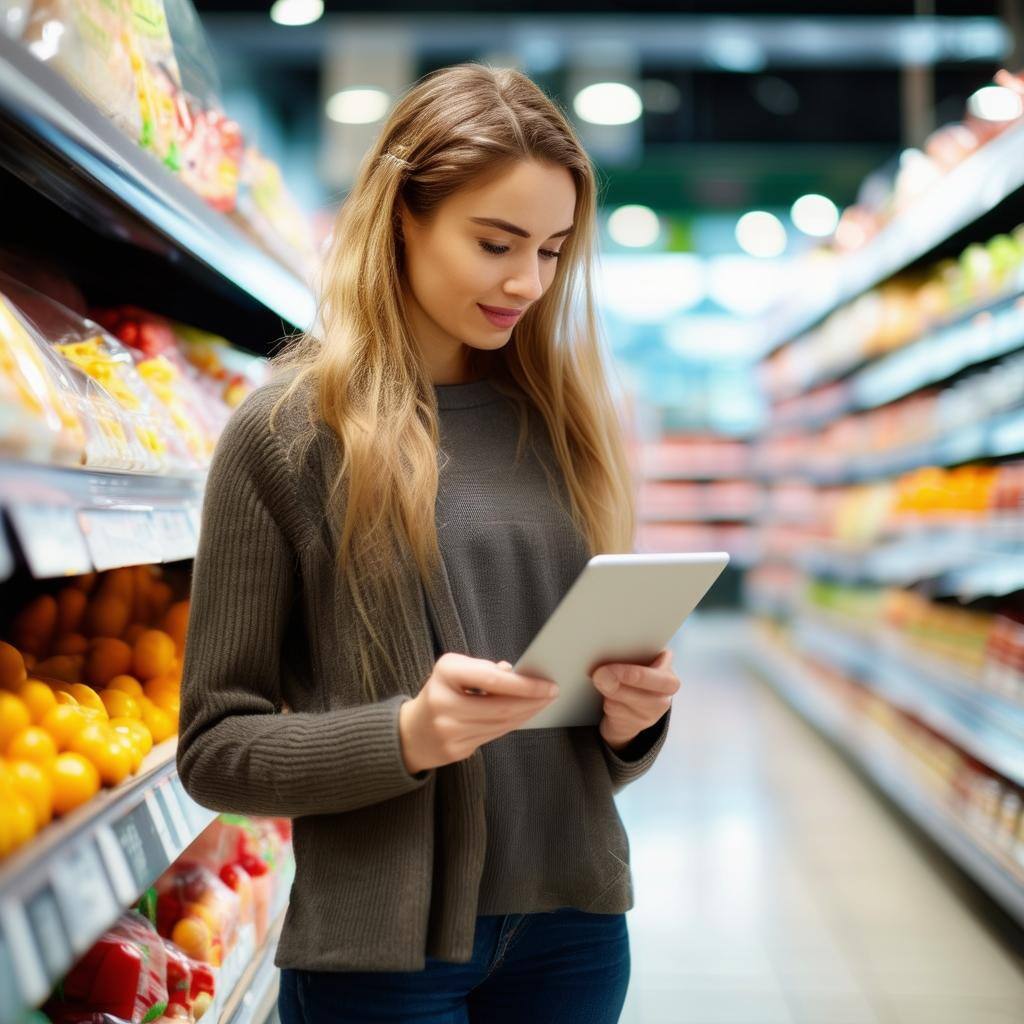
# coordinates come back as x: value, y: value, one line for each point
x: 627, y: 765
x: 237, y: 751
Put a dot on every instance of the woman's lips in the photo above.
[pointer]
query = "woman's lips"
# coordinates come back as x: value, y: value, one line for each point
x: 499, y: 319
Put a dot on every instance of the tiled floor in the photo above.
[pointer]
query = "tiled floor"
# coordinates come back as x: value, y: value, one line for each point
x: 774, y: 887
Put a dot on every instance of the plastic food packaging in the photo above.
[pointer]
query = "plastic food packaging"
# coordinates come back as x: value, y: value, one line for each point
x: 197, y: 912
x: 123, y: 974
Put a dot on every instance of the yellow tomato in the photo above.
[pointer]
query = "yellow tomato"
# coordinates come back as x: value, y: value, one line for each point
x: 136, y: 731
x: 88, y: 698
x: 105, y: 749
x: 38, y: 698
x: 127, y: 684
x: 63, y: 723
x: 12, y: 667
x: 159, y: 722
x: 32, y: 744
x: 14, y: 716
x: 34, y: 784
x: 75, y: 780
x: 120, y: 704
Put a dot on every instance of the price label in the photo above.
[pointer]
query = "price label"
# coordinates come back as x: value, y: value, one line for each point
x: 119, y: 538
x: 9, y: 1002
x: 50, y: 539
x: 163, y: 830
x: 51, y: 940
x: 83, y: 893
x: 173, y: 814
x: 142, y: 845
x: 175, y: 534
x: 116, y: 863
x: 16, y: 933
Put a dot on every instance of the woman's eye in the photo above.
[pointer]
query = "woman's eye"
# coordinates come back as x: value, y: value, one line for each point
x: 499, y: 250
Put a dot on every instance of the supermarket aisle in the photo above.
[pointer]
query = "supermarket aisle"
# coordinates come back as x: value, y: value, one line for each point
x: 773, y: 886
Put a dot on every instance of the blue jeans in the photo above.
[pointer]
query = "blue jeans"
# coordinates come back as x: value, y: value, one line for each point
x: 562, y: 967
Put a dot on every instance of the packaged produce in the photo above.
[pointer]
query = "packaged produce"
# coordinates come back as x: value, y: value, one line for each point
x: 197, y: 911
x: 123, y: 974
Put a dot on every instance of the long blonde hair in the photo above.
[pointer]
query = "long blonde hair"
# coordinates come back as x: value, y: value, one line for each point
x: 453, y: 127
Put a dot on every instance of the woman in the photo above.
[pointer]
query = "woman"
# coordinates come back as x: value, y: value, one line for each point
x: 378, y: 546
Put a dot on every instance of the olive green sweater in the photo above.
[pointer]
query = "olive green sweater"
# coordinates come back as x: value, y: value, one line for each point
x: 393, y: 867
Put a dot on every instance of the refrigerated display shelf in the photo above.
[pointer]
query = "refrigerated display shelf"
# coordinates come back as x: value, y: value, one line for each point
x: 254, y: 993
x: 990, y: 867
x: 60, y: 891
x: 954, y: 202
x: 88, y: 158
x: 986, y: 725
x: 69, y: 520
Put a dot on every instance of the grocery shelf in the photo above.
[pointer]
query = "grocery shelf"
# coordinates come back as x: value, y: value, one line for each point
x: 1001, y: 435
x: 63, y: 888
x: 253, y: 995
x: 72, y: 520
x: 954, y: 202
x: 89, y: 161
x: 872, y: 752
x: 986, y: 725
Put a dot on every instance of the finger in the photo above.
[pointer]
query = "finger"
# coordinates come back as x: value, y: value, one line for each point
x: 649, y: 706
x: 471, y: 673
x: 501, y: 709
x: 651, y: 680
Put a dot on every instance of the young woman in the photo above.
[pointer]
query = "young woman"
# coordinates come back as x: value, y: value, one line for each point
x: 387, y: 524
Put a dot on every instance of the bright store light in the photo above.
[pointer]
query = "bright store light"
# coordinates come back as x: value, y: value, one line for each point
x: 608, y: 103
x: 736, y: 53
x: 358, y: 106
x: 636, y: 226
x: 652, y: 288
x: 761, y: 234
x: 815, y: 215
x: 296, y: 12
x: 995, y: 103
x: 746, y: 286
x: 49, y: 41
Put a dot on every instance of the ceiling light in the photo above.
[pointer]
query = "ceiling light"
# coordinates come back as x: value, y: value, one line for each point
x: 815, y: 215
x: 761, y: 234
x: 608, y: 103
x: 358, y: 106
x: 296, y: 12
x: 635, y: 226
x: 995, y: 103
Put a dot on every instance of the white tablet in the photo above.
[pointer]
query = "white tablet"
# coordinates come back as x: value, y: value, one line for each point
x: 621, y: 608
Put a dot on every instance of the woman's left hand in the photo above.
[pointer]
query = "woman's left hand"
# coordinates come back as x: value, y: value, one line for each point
x: 635, y: 697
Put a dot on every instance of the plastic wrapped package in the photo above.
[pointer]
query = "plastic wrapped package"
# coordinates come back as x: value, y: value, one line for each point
x: 38, y: 416
x: 85, y: 344
x: 191, y: 984
x: 233, y: 371
x: 158, y: 81
x: 88, y: 42
x: 123, y: 974
x: 197, y: 912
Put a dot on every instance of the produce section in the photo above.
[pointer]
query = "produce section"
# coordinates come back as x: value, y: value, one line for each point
x: 120, y: 897
x: 888, y: 592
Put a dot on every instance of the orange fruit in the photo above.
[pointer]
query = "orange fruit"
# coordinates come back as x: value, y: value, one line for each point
x: 33, y: 782
x: 107, y: 658
x: 175, y: 624
x: 127, y: 684
x: 120, y: 704
x: 71, y: 605
x: 118, y: 582
x: 22, y: 818
x: 107, y: 615
x: 63, y: 723
x: 71, y: 643
x: 136, y: 731
x: 88, y: 698
x: 133, y: 632
x: 60, y: 666
x: 38, y: 698
x: 34, y: 626
x: 12, y: 667
x: 131, y: 739
x: 160, y: 722
x: 32, y: 744
x: 164, y: 691
x: 154, y: 654
x: 194, y: 937
x: 106, y: 750
x: 14, y: 716
x: 86, y: 582
x: 75, y: 780
x: 160, y: 598
x: 61, y: 695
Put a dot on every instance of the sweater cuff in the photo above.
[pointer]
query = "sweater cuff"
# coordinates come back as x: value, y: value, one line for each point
x: 636, y: 758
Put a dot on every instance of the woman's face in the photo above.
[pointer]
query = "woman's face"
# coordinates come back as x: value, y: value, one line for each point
x: 458, y: 263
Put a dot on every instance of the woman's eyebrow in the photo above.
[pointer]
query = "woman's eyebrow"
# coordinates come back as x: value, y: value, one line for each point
x: 504, y: 225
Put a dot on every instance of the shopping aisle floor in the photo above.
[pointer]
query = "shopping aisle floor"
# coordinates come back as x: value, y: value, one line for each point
x: 773, y: 886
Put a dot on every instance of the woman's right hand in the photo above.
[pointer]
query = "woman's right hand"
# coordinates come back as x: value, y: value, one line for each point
x: 444, y: 723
